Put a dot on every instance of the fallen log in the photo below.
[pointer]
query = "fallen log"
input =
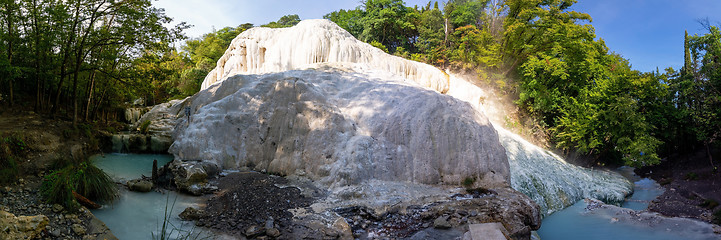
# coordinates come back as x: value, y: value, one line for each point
x: 85, y: 202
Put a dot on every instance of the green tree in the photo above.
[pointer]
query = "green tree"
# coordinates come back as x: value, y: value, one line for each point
x: 474, y: 48
x: 350, y: 20
x: 389, y: 22
x: 431, y: 35
x: 284, y: 21
x: 533, y: 26
x: 704, y: 86
x: 466, y: 12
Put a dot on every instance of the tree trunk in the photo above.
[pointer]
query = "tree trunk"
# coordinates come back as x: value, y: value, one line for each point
x: 708, y: 152
x: 36, y: 26
x: 90, y: 95
x: 75, y: 92
x: 9, y: 20
x: 66, y: 55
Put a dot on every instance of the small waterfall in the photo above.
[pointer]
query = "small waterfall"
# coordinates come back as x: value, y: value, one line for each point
x: 138, y: 143
x: 541, y: 175
x: 132, y: 115
x: 120, y: 142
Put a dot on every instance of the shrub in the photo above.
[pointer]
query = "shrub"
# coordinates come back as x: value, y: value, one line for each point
x: 83, y: 178
x: 709, y: 203
x: 468, y: 182
x: 11, y: 147
x: 379, y: 45
x: 691, y: 176
x: 8, y: 169
x: 144, y: 126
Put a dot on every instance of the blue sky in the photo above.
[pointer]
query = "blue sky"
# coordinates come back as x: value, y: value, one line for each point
x: 647, y: 32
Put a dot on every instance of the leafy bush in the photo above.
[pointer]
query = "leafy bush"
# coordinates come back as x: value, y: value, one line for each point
x: 379, y: 45
x: 83, y: 178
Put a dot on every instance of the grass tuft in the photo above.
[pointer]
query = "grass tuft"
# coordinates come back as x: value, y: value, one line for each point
x: 83, y: 178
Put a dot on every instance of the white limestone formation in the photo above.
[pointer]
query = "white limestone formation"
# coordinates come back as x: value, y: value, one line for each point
x: 265, y: 50
x: 341, y: 124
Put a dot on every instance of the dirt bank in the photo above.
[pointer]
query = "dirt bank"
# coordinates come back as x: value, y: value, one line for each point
x: 693, y: 187
x: 35, y: 143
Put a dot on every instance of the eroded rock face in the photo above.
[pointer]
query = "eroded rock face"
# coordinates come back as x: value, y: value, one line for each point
x: 21, y: 227
x: 337, y: 124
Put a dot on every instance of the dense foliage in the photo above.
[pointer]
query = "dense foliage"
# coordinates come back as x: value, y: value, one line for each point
x: 74, y: 55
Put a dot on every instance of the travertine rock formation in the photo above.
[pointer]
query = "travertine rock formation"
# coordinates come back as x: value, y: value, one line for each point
x: 341, y: 124
x: 266, y: 50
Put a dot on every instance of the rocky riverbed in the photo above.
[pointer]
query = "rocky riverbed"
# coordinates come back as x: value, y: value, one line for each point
x: 47, y: 221
x: 260, y: 206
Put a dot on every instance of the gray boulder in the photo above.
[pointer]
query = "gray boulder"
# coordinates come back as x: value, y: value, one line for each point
x: 140, y: 185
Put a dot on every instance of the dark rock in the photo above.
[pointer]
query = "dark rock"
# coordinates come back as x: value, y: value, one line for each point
x: 55, y: 233
x: 253, y: 231
x: 201, y: 188
x: 191, y: 213
x: 272, y: 232
x: 269, y: 223
x: 57, y: 208
x: 442, y: 222
x: 78, y: 229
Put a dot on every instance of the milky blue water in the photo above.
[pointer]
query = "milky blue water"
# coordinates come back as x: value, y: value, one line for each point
x: 140, y: 215
x: 575, y: 222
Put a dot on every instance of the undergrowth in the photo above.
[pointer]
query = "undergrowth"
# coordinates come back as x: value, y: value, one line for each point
x: 12, y: 148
